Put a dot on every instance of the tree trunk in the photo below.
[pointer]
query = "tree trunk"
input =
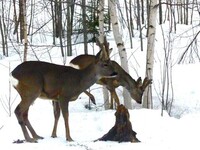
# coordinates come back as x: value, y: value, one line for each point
x: 21, y: 19
x: 142, y: 9
x: 15, y: 20
x: 186, y: 12
x: 69, y: 29
x: 3, y: 31
x: 160, y: 12
x: 101, y: 21
x: 128, y: 24
x: 53, y: 22
x: 84, y: 26
x: 122, y: 130
x: 2, y: 37
x: 121, y: 48
x: 60, y: 27
x: 139, y: 24
x: 25, y: 30
x: 101, y: 40
x: 131, y: 18
x: 147, y: 101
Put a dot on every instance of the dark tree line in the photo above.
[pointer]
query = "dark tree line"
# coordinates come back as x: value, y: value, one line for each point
x: 80, y: 17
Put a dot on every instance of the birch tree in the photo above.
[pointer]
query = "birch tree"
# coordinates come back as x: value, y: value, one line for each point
x: 3, y: 31
x: 101, y: 40
x: 120, y: 46
x: 25, y: 30
x: 147, y: 101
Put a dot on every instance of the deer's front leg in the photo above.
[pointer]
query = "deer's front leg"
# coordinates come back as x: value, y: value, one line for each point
x: 116, y: 99
x: 64, y: 107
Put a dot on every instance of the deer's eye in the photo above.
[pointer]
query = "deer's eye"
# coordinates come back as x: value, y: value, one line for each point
x: 105, y: 65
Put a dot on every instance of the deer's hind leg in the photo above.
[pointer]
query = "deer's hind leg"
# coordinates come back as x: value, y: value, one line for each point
x: 21, y: 113
x: 28, y: 96
x: 29, y: 126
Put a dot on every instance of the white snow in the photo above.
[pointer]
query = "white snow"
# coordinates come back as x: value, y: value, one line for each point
x: 181, y: 131
x: 154, y: 132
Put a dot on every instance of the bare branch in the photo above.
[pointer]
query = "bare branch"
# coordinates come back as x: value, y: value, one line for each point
x: 183, y: 55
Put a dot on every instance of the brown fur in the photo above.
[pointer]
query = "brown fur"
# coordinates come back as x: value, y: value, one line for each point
x: 134, y: 87
x: 55, y: 82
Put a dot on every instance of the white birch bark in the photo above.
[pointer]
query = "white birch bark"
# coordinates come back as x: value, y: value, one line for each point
x: 147, y: 98
x: 101, y: 21
x: 101, y: 40
x: 120, y: 46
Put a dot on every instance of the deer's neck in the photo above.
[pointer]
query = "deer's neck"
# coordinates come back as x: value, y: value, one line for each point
x: 127, y: 81
x: 123, y: 77
x: 88, y: 77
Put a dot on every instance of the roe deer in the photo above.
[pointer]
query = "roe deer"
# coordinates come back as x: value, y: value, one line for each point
x: 135, y: 88
x: 59, y: 83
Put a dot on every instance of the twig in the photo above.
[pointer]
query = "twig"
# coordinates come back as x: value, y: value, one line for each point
x: 188, y: 48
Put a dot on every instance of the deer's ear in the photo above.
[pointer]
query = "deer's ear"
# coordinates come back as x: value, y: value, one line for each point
x: 139, y: 82
x: 146, y: 82
x: 102, y: 55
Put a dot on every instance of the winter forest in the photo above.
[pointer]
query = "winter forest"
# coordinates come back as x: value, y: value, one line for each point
x: 153, y: 45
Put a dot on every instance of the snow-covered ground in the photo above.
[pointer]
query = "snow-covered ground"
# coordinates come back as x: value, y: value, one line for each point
x: 181, y: 131
x: 154, y: 131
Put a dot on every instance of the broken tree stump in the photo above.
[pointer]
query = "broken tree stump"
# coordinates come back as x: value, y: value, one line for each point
x: 122, y: 130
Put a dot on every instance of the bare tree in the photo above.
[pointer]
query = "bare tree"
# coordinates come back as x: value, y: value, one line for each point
x: 2, y: 36
x: 131, y: 18
x: 167, y: 93
x: 84, y: 22
x: 190, y: 50
x: 69, y: 27
x: 139, y: 24
x: 160, y: 12
x: 120, y: 46
x: 25, y: 29
x: 128, y: 23
x: 147, y: 101
x: 101, y: 40
x: 4, y: 31
x: 179, y: 11
x: 53, y: 21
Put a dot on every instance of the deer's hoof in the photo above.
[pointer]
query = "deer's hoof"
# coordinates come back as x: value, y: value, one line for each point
x: 70, y: 140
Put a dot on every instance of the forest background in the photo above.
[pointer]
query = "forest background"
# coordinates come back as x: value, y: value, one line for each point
x: 33, y: 28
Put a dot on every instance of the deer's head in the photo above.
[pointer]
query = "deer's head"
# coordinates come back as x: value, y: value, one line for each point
x: 138, y: 89
x: 104, y: 67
